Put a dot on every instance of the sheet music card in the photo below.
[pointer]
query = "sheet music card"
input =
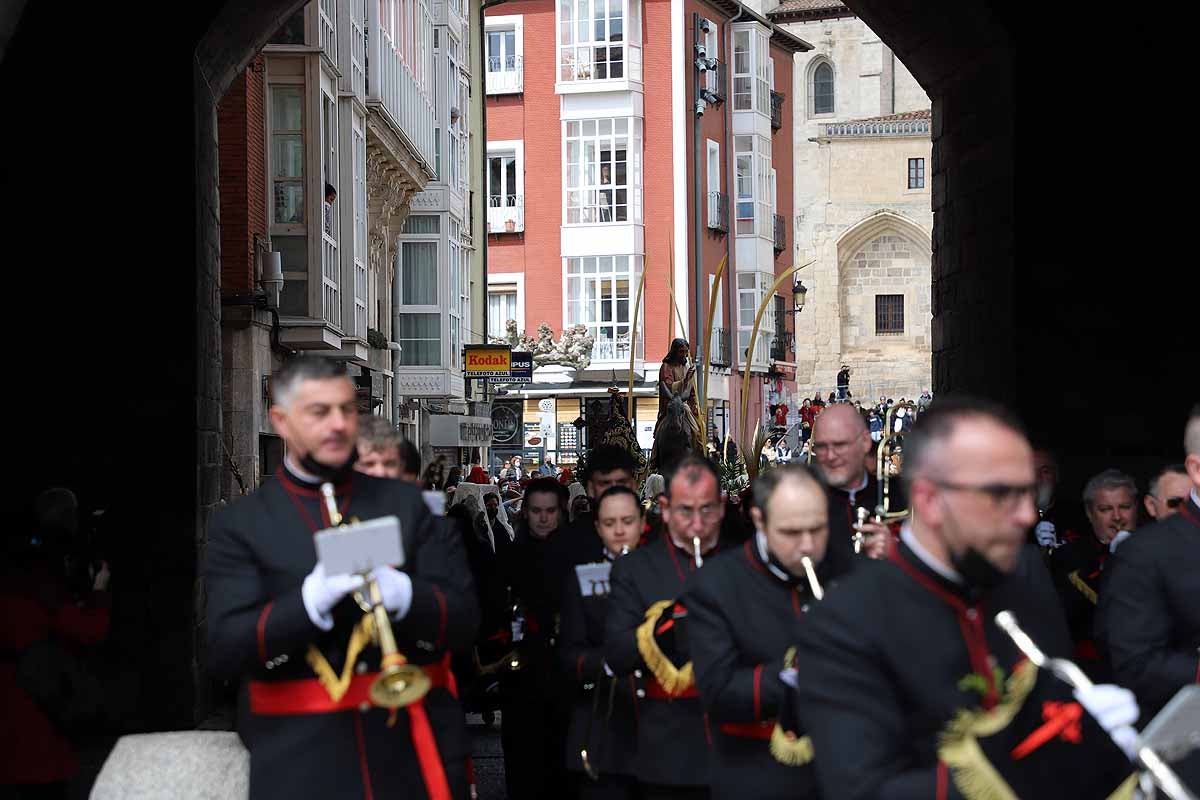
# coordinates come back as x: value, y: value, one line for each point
x: 361, y: 547
x: 593, y: 578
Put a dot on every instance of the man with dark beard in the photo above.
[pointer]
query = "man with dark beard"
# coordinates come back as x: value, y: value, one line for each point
x: 297, y: 638
x: 909, y: 687
x: 743, y: 611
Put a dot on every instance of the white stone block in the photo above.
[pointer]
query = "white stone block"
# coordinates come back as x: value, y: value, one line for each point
x: 183, y: 765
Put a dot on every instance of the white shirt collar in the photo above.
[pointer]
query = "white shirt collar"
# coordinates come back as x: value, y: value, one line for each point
x: 1195, y: 497
x: 865, y: 480
x: 761, y: 539
x: 906, y: 536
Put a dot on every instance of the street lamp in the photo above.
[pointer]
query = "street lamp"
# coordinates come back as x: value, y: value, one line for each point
x: 799, y: 291
x: 580, y: 423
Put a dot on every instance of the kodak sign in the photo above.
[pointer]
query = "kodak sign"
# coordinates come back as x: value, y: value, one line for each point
x: 487, y: 361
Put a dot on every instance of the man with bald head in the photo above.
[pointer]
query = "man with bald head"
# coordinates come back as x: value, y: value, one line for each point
x: 907, y: 646
x: 840, y: 443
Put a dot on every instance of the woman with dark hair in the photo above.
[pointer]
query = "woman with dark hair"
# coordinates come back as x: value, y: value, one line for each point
x: 602, y: 737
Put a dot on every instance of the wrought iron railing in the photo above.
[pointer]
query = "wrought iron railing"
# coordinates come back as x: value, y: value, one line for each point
x: 505, y: 74
x: 718, y: 211
x: 776, y: 110
x: 781, y: 346
x: 722, y: 347
x: 780, y: 233
x: 506, y: 214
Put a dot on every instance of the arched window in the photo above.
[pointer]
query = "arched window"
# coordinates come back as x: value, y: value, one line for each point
x: 822, y: 89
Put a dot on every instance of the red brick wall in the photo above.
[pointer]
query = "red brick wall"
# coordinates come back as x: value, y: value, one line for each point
x: 783, y: 160
x: 241, y: 123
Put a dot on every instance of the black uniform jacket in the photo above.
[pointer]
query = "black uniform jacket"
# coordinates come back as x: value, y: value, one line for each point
x: 609, y: 736
x: 888, y: 659
x: 1151, y: 604
x: 742, y: 618
x: 673, y: 734
x: 1077, y: 568
x: 260, y: 549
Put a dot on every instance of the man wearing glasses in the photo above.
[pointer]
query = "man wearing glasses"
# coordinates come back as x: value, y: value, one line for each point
x: 645, y: 634
x: 909, y: 645
x: 1168, y: 491
x: 840, y: 443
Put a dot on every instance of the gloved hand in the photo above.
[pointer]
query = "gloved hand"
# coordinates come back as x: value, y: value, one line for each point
x: 322, y: 592
x: 791, y: 677
x: 396, y: 588
x: 1115, y: 708
x: 1047, y: 535
x: 1116, y: 540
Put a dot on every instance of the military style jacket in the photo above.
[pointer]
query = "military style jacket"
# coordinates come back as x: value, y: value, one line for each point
x: 303, y: 742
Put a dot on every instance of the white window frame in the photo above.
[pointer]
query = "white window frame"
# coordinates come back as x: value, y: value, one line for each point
x: 712, y: 168
x: 499, y: 214
x: 440, y: 304
x: 758, y: 157
x: 504, y: 72
x: 585, y: 198
x: 505, y: 283
x: 287, y: 228
x: 605, y: 349
x: 750, y: 297
x: 756, y: 72
x: 575, y: 61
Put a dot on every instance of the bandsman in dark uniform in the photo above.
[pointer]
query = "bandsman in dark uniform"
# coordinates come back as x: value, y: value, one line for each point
x: 840, y: 443
x: 602, y: 736
x: 1110, y: 501
x: 646, y: 635
x: 743, y: 610
x: 909, y: 688
x: 299, y: 641
x: 1151, y: 602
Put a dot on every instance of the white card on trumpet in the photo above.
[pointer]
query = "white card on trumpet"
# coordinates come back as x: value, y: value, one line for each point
x: 593, y: 578
x: 361, y: 546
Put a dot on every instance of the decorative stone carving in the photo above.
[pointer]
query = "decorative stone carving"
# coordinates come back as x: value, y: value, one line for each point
x: 573, y: 349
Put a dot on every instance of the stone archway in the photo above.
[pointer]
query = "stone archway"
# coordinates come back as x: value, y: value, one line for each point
x: 885, y: 258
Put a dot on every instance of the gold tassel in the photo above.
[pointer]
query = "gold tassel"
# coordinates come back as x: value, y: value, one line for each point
x: 1125, y: 790
x: 1080, y: 584
x: 789, y: 750
x: 336, y: 685
x: 958, y: 747
x: 673, y: 681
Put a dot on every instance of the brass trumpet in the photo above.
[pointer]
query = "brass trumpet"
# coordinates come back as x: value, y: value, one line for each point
x: 885, y: 473
x: 399, y: 683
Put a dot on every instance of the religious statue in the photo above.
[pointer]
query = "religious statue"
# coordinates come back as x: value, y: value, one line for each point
x: 677, y: 430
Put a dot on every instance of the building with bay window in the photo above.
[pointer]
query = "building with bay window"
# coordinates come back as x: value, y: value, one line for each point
x: 345, y: 162
x: 600, y: 171
x: 862, y: 150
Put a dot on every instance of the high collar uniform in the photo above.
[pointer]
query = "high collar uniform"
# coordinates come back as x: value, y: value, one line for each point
x: 673, y: 734
x: 260, y: 548
x: 743, y: 613
x: 1078, y: 568
x: 603, y: 717
x: 1151, y: 604
x: 893, y: 655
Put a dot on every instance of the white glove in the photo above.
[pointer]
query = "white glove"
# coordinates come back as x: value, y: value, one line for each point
x: 607, y: 670
x: 1115, y: 708
x: 1116, y: 540
x: 322, y: 592
x: 396, y: 588
x: 1046, y: 534
x: 790, y: 676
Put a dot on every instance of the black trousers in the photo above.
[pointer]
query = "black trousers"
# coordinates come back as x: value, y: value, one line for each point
x: 532, y: 732
x: 654, y: 791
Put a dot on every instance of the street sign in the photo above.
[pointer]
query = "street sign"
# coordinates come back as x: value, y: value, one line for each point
x: 487, y: 361
x: 520, y: 369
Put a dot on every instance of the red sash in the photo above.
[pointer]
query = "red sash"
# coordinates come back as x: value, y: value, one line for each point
x: 308, y: 696
x: 749, y: 730
x: 655, y: 691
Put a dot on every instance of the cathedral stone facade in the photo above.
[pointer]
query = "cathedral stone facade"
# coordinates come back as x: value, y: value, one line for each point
x: 862, y: 190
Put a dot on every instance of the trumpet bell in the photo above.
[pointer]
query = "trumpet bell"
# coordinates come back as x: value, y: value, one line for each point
x: 399, y: 685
